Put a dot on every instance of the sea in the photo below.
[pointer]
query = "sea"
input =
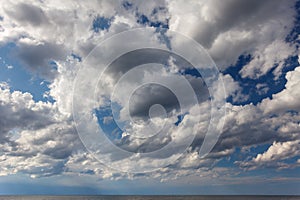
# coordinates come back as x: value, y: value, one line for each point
x: 112, y: 197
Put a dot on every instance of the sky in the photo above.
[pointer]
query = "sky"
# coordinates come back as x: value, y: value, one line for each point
x: 150, y: 97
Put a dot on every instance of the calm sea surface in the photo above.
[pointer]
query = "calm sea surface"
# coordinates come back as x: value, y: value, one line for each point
x: 150, y: 197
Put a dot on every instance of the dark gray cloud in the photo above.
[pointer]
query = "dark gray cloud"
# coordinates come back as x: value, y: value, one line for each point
x: 28, y: 14
x: 143, y: 98
x: 238, y: 14
x: 150, y: 94
x: 41, y: 58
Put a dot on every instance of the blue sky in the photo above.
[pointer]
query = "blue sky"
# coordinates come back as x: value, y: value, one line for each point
x: 50, y: 52
x: 18, y: 77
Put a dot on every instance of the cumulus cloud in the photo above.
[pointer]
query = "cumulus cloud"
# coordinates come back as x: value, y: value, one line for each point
x: 273, y: 119
x: 18, y: 110
x: 266, y: 59
x: 35, y: 138
x: 287, y: 99
x: 274, y: 156
x: 232, y: 28
x: 278, y: 151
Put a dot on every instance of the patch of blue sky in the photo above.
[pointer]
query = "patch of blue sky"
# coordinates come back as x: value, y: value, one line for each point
x: 127, y: 5
x: 101, y: 23
x: 143, y: 19
x: 179, y: 119
x: 77, y: 57
x: 249, y: 154
x: 156, y: 10
x: 292, y: 160
x: 249, y: 86
x: 288, y: 173
x: 164, y: 39
x: 160, y: 26
x: 194, y: 72
x: 107, y: 123
x: 18, y: 78
x: 293, y: 36
x: 88, y: 171
x: 258, y: 149
x: 241, y: 155
x: 53, y: 65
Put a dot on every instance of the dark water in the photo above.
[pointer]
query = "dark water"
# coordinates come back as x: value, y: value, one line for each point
x: 149, y: 197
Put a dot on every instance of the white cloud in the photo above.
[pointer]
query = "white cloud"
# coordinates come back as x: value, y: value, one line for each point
x: 35, y: 137
x: 277, y: 152
x: 265, y: 58
x: 231, y: 28
x: 287, y: 99
x: 18, y: 110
